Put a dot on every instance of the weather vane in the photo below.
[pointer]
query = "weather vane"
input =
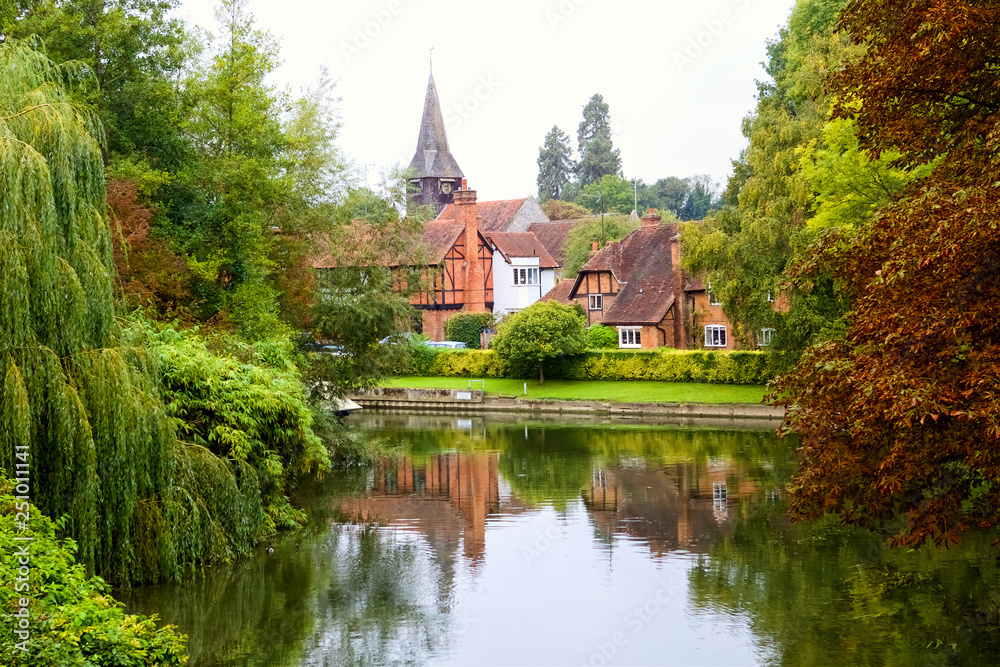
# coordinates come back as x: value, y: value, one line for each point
x: 430, y: 55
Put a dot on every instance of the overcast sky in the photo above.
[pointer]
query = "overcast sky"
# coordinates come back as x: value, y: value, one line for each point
x: 677, y: 75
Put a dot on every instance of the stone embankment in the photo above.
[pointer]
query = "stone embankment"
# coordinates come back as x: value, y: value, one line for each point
x: 475, y: 400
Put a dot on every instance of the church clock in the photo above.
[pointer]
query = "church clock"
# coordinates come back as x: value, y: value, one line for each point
x: 446, y: 188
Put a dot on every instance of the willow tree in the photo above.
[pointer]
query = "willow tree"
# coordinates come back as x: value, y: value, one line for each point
x: 83, y: 408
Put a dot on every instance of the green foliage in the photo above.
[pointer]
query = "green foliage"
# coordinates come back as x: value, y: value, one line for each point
x: 598, y: 156
x: 611, y: 194
x: 85, y: 405
x: 74, y: 621
x: 467, y: 327
x: 745, y: 249
x: 543, y: 331
x: 555, y: 165
x: 601, y: 337
x: 666, y: 365
x: 557, y: 209
x: 850, y: 186
x: 244, y: 418
x: 579, y: 241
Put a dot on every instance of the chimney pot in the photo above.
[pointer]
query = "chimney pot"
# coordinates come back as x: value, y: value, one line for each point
x: 465, y: 184
x: 593, y: 245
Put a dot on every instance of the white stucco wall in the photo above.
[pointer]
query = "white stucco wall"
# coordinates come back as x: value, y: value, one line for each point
x: 509, y: 297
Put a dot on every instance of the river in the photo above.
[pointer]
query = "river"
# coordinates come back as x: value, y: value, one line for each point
x: 509, y: 542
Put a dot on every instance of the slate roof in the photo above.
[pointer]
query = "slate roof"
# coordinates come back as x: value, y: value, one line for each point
x: 642, y: 265
x: 522, y: 244
x: 494, y: 216
x: 433, y: 158
x: 553, y: 236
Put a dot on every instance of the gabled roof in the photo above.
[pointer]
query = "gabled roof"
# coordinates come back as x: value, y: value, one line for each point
x: 522, y: 244
x: 641, y: 262
x: 553, y: 236
x: 433, y: 158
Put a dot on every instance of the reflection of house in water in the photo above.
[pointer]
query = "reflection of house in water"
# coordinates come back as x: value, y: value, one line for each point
x: 446, y: 499
x: 681, y: 506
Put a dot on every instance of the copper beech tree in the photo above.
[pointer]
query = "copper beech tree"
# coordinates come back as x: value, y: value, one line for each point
x: 901, y: 419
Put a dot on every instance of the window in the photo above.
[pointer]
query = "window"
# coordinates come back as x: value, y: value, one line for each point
x: 596, y: 302
x: 712, y: 299
x: 527, y: 276
x: 765, y: 337
x: 715, y: 335
x: 629, y: 337
x: 770, y: 296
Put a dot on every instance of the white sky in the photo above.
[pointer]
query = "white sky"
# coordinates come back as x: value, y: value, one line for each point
x: 678, y: 76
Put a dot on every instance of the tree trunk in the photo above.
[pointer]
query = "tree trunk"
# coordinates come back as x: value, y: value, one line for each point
x: 541, y: 373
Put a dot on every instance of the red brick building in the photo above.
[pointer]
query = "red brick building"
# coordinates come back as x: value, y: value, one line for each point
x: 637, y: 286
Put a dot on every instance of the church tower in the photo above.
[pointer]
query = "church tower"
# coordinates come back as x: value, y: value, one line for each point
x: 434, y: 174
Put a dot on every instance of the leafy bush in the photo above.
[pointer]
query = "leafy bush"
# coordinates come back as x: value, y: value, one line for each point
x: 662, y: 365
x: 73, y: 618
x: 467, y: 327
x: 601, y: 337
x: 543, y: 331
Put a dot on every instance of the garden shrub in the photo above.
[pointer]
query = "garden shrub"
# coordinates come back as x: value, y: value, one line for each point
x: 600, y: 337
x: 468, y: 327
x: 664, y: 365
x: 73, y: 620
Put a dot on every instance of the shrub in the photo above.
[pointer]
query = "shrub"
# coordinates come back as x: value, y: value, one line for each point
x: 601, y: 337
x: 541, y: 332
x: 664, y: 365
x: 73, y: 618
x: 467, y: 327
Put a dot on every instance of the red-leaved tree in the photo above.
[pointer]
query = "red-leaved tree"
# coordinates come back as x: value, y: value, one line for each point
x: 901, y: 419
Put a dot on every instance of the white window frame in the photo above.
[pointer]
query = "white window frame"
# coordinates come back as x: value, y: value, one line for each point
x: 715, y: 335
x: 526, y: 275
x: 629, y: 337
x: 712, y: 301
x: 765, y: 337
x: 596, y: 301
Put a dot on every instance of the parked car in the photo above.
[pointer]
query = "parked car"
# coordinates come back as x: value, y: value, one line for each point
x: 452, y: 344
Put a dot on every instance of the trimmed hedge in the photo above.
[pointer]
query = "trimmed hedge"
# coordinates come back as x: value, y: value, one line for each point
x: 664, y: 365
x: 467, y: 327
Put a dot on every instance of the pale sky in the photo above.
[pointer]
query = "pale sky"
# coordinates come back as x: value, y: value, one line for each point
x: 678, y: 77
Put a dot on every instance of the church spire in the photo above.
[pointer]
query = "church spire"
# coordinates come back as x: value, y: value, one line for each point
x: 433, y: 159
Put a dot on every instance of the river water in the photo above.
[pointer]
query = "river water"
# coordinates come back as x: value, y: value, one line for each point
x: 515, y: 542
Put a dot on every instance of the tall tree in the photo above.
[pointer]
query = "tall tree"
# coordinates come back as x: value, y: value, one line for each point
x: 899, y: 418
x: 555, y: 165
x: 81, y: 410
x: 747, y: 246
x: 598, y: 156
x: 135, y: 49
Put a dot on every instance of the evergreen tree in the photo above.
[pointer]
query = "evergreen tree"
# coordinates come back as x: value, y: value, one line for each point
x: 598, y: 156
x: 555, y: 165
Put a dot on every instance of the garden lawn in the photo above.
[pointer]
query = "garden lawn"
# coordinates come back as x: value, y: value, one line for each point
x: 637, y: 391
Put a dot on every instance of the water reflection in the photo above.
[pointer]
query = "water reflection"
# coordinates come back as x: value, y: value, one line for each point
x: 551, y: 544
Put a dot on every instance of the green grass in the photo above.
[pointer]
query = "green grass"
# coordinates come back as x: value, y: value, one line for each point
x: 576, y: 390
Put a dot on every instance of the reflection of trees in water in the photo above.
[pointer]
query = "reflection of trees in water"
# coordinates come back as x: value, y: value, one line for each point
x: 347, y: 595
x: 378, y: 606
x: 822, y: 594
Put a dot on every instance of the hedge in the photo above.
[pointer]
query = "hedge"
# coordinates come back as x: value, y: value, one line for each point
x: 666, y: 365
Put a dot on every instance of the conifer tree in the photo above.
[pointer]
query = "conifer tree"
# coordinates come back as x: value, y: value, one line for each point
x: 555, y: 165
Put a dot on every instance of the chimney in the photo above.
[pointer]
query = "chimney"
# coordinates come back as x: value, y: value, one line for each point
x: 651, y: 219
x: 593, y: 246
x: 475, y: 278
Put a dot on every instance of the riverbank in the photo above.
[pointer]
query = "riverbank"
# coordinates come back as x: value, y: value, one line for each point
x: 477, y: 401
x: 637, y: 391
